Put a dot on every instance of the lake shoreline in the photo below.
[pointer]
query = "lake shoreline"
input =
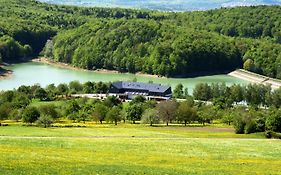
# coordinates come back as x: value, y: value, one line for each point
x: 105, y: 71
x: 4, y: 73
x: 45, y: 60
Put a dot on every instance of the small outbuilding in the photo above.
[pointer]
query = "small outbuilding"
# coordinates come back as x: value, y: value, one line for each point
x: 149, y: 90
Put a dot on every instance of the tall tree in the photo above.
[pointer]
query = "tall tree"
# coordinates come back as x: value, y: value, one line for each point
x: 167, y: 110
x: 114, y: 115
x: 150, y: 116
x: 134, y: 112
x: 186, y: 113
x: 178, y: 91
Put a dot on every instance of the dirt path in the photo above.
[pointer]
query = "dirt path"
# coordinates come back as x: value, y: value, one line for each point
x: 256, y: 78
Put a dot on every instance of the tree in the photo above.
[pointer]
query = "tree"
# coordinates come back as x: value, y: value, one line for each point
x: 7, y: 96
x: 41, y: 94
x: 30, y: 114
x: 228, y: 116
x: 275, y: 99
x: 206, y: 114
x: 273, y: 121
x: 71, y: 109
x: 16, y: 114
x: 51, y: 91
x: 138, y: 99
x: 21, y: 100
x: 62, y: 89
x: 48, y: 50
x: 239, y: 120
x: 101, y: 87
x: 100, y: 112
x: 253, y: 95
x: 45, y: 121
x: 202, y: 92
x: 75, y: 87
x: 186, y: 113
x: 49, y: 110
x: 82, y: 115
x: 178, y: 91
x: 111, y: 101
x: 5, y: 110
x: 88, y: 87
x: 167, y: 110
x: 25, y: 90
x: 113, y: 114
x: 150, y: 116
x: 134, y: 112
x: 237, y: 93
x: 249, y: 65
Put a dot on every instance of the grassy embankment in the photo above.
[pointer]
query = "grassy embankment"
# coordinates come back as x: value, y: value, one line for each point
x: 135, y: 149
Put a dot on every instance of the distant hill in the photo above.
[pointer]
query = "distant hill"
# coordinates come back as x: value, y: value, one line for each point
x: 166, y: 5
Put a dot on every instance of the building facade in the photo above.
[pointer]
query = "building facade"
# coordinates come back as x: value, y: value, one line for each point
x: 129, y: 90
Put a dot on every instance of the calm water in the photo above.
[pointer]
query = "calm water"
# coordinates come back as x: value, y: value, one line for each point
x: 165, y: 5
x: 32, y: 73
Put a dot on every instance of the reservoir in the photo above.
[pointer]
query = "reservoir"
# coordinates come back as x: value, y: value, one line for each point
x: 38, y: 73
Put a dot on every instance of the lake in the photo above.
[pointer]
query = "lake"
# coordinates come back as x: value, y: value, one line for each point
x: 165, y: 5
x: 32, y: 73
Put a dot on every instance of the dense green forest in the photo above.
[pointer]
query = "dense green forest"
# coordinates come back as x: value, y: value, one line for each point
x: 169, y: 44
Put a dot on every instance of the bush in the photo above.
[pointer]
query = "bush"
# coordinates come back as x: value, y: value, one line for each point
x: 250, y: 127
x: 45, y: 121
x: 30, y: 115
x: 239, y: 122
x: 273, y: 122
x: 49, y: 110
x: 271, y: 134
x: 239, y: 126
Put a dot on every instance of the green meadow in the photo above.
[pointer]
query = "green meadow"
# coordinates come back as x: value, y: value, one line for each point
x: 136, y: 149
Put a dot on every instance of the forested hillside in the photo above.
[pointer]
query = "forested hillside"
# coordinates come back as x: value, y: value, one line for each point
x: 30, y: 23
x: 145, y: 45
x: 170, y: 44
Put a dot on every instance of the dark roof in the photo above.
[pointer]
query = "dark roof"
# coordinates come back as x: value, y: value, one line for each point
x: 141, y: 86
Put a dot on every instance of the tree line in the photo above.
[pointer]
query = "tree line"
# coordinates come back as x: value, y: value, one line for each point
x: 252, y: 94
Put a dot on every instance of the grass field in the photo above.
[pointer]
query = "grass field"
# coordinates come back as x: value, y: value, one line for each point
x: 136, y: 149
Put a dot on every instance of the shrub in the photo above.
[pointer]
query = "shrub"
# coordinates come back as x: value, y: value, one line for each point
x: 250, y: 127
x: 30, y: 115
x: 45, y: 121
x: 273, y: 122
x: 239, y: 126
x: 239, y: 121
x: 271, y: 134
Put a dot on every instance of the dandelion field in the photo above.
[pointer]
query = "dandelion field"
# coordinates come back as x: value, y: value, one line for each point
x: 137, y: 149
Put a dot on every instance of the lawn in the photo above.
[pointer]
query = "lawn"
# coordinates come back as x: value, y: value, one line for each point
x: 136, y: 149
